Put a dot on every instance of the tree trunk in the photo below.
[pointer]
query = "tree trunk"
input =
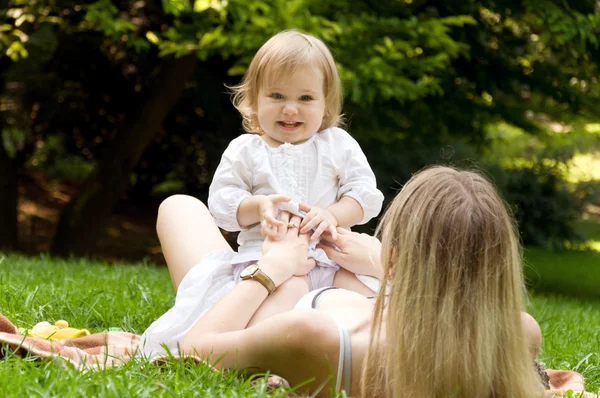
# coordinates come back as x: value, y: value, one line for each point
x: 83, y: 220
x: 9, y: 185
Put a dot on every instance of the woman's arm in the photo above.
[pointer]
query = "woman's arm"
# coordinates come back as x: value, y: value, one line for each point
x: 358, y: 253
x: 280, y: 261
x: 306, y: 336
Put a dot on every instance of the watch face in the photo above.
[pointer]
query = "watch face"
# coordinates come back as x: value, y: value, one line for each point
x: 249, y: 270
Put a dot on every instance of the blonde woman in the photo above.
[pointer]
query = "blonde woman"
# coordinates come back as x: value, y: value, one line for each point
x: 452, y: 324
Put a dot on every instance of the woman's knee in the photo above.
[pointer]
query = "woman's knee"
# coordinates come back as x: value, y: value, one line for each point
x: 178, y: 206
x: 175, y: 204
x: 533, y: 332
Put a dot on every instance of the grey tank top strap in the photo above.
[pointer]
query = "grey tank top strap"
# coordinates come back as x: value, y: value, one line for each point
x: 315, y: 300
x: 344, y: 373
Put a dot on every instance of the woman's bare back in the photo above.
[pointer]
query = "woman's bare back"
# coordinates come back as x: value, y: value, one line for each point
x: 353, y: 311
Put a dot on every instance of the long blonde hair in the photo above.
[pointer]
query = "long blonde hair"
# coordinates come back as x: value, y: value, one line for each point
x: 280, y: 57
x: 452, y: 322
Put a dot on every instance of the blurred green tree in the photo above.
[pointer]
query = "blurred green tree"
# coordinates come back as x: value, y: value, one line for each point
x: 135, y: 87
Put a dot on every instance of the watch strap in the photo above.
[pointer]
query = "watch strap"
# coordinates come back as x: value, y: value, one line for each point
x: 264, y: 279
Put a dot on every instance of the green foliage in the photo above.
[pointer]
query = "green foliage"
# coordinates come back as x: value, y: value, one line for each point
x: 422, y: 79
x: 539, y: 177
x: 103, y: 16
x: 547, y: 208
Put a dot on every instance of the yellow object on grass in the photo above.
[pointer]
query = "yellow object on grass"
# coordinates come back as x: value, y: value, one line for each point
x: 59, y: 331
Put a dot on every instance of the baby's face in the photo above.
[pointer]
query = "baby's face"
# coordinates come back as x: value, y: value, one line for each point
x: 292, y: 110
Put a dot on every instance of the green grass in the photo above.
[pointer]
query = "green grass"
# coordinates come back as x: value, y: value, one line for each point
x: 570, y: 272
x: 571, y: 335
x: 98, y: 295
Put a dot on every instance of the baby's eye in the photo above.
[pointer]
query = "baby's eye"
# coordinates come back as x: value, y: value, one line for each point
x: 276, y: 96
x: 306, y: 98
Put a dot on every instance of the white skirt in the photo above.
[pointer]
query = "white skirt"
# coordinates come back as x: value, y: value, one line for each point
x: 204, y: 285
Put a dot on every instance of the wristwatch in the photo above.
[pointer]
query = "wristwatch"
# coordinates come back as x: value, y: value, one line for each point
x: 254, y: 272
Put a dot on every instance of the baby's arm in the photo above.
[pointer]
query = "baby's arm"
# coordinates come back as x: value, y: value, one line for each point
x: 347, y: 211
x: 230, y: 196
x: 263, y: 209
x: 357, y: 180
x: 231, y: 185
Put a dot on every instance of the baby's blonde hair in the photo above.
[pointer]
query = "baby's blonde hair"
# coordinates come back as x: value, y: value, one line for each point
x: 280, y: 57
x: 453, y: 319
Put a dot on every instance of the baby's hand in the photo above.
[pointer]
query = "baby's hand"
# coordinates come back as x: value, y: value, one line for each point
x: 268, y: 210
x: 319, y: 219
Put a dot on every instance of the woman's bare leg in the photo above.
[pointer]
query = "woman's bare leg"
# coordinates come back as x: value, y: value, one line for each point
x: 187, y: 232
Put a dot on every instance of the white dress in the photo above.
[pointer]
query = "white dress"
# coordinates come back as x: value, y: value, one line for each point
x: 318, y: 172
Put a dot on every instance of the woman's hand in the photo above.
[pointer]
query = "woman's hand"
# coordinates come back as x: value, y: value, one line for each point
x: 358, y: 253
x: 287, y: 256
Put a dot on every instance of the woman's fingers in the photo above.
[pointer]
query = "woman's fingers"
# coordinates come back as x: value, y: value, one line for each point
x: 328, y: 236
x: 295, y: 221
x: 332, y: 253
x: 343, y: 231
x: 333, y: 231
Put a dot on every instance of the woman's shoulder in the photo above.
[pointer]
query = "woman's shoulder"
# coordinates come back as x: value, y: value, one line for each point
x: 310, y: 322
x: 309, y: 331
x: 305, y: 336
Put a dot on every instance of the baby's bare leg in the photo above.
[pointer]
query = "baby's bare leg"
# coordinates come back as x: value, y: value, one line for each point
x: 283, y: 299
x: 347, y: 280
